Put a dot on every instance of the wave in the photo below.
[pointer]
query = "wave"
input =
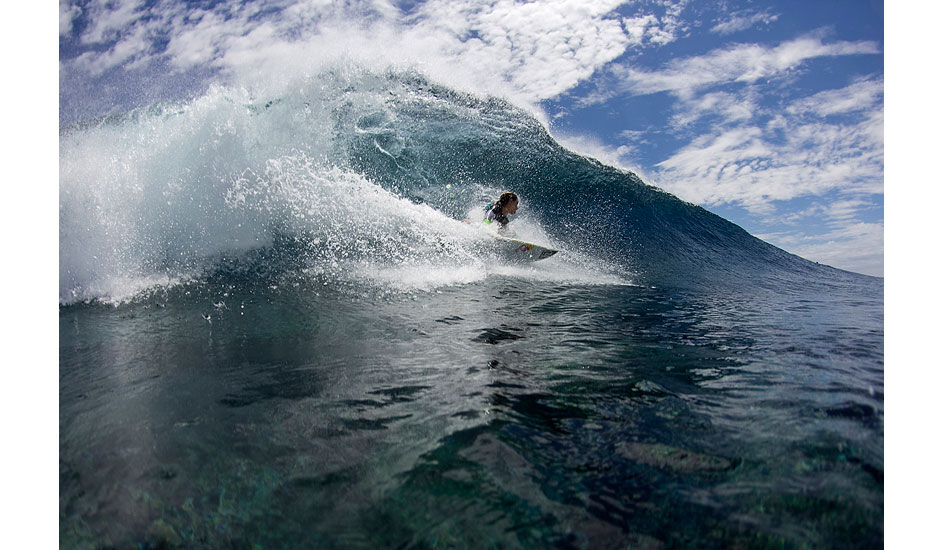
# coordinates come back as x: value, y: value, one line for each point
x: 367, y: 174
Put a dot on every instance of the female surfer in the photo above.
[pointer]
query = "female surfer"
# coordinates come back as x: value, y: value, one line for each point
x: 506, y: 205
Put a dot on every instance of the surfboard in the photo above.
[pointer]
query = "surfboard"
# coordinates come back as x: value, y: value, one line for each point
x: 513, y: 250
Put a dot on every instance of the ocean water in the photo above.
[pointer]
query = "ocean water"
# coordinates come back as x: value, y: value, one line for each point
x: 277, y: 331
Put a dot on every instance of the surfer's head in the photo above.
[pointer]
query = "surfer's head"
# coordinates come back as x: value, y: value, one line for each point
x: 508, y: 202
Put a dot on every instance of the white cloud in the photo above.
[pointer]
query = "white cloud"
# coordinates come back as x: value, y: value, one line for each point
x: 859, y: 96
x: 541, y: 48
x: 746, y: 165
x: 723, y: 106
x: 198, y: 38
x: 124, y: 52
x: 528, y: 51
x: 110, y: 18
x: 67, y: 13
x: 639, y: 27
x: 843, y: 212
x: 855, y: 246
x: 743, y: 22
x: 744, y: 63
x: 195, y: 37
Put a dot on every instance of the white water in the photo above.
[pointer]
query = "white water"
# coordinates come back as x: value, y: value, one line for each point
x: 160, y: 196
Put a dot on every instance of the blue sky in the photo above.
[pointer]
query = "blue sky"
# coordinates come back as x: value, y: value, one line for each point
x: 769, y: 114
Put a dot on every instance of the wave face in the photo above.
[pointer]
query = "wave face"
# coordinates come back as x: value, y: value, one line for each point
x: 364, y: 172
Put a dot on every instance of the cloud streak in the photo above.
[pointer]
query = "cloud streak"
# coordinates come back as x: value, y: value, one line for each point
x: 739, y: 23
x: 791, y: 156
x: 860, y: 96
x: 744, y: 63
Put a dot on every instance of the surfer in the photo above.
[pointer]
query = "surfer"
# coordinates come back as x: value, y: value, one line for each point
x: 506, y: 205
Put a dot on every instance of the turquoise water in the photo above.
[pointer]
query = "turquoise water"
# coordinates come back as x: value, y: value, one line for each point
x: 276, y: 332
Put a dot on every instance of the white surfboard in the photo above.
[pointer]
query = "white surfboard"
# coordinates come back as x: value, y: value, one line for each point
x: 513, y: 250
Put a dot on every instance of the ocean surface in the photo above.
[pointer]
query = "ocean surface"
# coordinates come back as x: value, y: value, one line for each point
x: 278, y: 331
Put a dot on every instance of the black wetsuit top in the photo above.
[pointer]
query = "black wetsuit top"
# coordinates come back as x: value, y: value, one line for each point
x: 494, y: 214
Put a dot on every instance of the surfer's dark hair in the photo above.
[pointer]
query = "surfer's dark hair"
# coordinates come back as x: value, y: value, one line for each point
x: 505, y: 198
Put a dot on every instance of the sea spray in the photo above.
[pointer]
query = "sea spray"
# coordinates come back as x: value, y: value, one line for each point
x: 340, y: 167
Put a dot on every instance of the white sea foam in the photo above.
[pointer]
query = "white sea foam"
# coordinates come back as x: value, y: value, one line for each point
x: 161, y: 195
